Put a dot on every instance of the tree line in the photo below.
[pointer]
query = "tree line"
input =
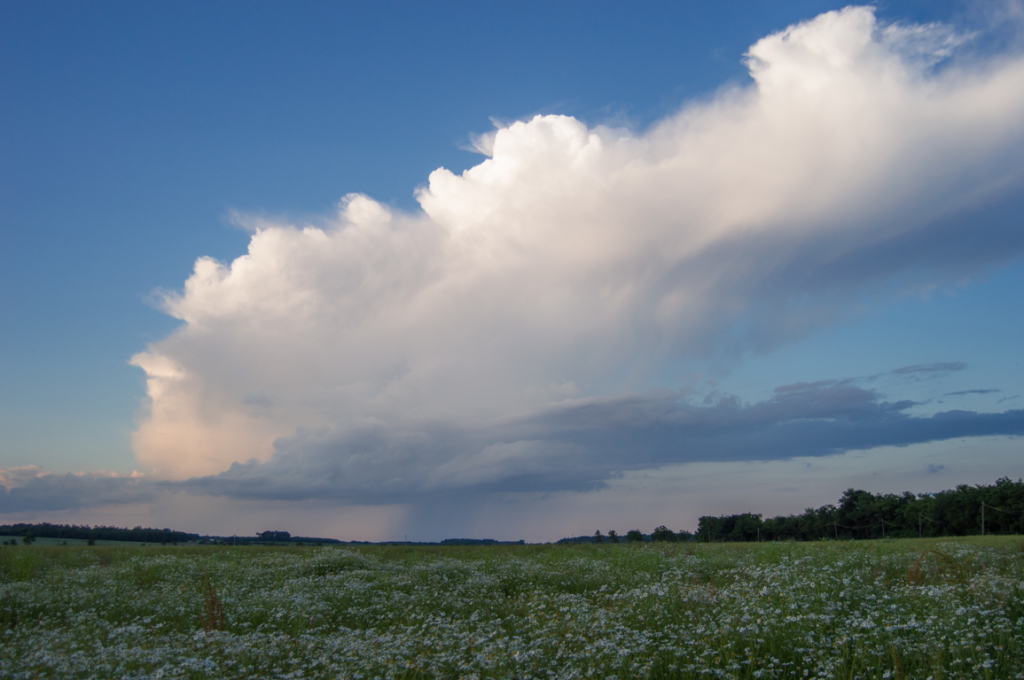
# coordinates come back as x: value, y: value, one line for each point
x: 660, y: 534
x: 966, y: 510
x: 97, y: 533
x: 148, y: 535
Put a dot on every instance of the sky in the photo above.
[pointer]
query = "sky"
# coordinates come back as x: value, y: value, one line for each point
x: 509, y: 270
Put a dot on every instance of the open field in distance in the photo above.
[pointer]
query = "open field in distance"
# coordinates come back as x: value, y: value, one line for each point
x: 870, y: 609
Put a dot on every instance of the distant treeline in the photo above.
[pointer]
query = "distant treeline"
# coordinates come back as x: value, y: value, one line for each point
x: 99, y: 533
x: 964, y: 511
x: 141, y: 535
x: 477, y: 541
x: 273, y: 537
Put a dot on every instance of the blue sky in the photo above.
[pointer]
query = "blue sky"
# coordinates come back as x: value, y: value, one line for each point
x: 130, y: 134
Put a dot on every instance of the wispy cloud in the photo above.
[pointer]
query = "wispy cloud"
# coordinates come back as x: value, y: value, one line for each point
x: 942, y: 367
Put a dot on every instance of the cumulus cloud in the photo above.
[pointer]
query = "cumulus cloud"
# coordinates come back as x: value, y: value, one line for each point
x: 505, y: 335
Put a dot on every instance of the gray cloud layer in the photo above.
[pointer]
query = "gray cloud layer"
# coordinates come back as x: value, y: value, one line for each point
x: 33, y: 490
x: 576, y: 445
x: 580, y: 444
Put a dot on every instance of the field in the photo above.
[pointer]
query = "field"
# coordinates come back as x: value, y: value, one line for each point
x: 886, y: 609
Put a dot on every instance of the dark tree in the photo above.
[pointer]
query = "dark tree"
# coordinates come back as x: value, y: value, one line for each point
x: 634, y: 536
x: 663, y: 534
x: 613, y: 537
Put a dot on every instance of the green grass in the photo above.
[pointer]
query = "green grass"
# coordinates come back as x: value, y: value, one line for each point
x: 933, y: 608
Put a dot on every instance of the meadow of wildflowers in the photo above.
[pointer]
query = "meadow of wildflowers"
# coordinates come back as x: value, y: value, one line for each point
x: 896, y: 609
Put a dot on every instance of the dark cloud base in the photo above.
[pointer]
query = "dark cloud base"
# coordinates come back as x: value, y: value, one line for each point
x: 572, y: 446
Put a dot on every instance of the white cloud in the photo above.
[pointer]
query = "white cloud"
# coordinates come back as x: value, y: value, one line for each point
x: 577, y: 261
x: 18, y: 476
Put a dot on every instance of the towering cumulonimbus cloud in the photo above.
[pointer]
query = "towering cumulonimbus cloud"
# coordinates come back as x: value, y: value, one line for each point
x: 576, y: 261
